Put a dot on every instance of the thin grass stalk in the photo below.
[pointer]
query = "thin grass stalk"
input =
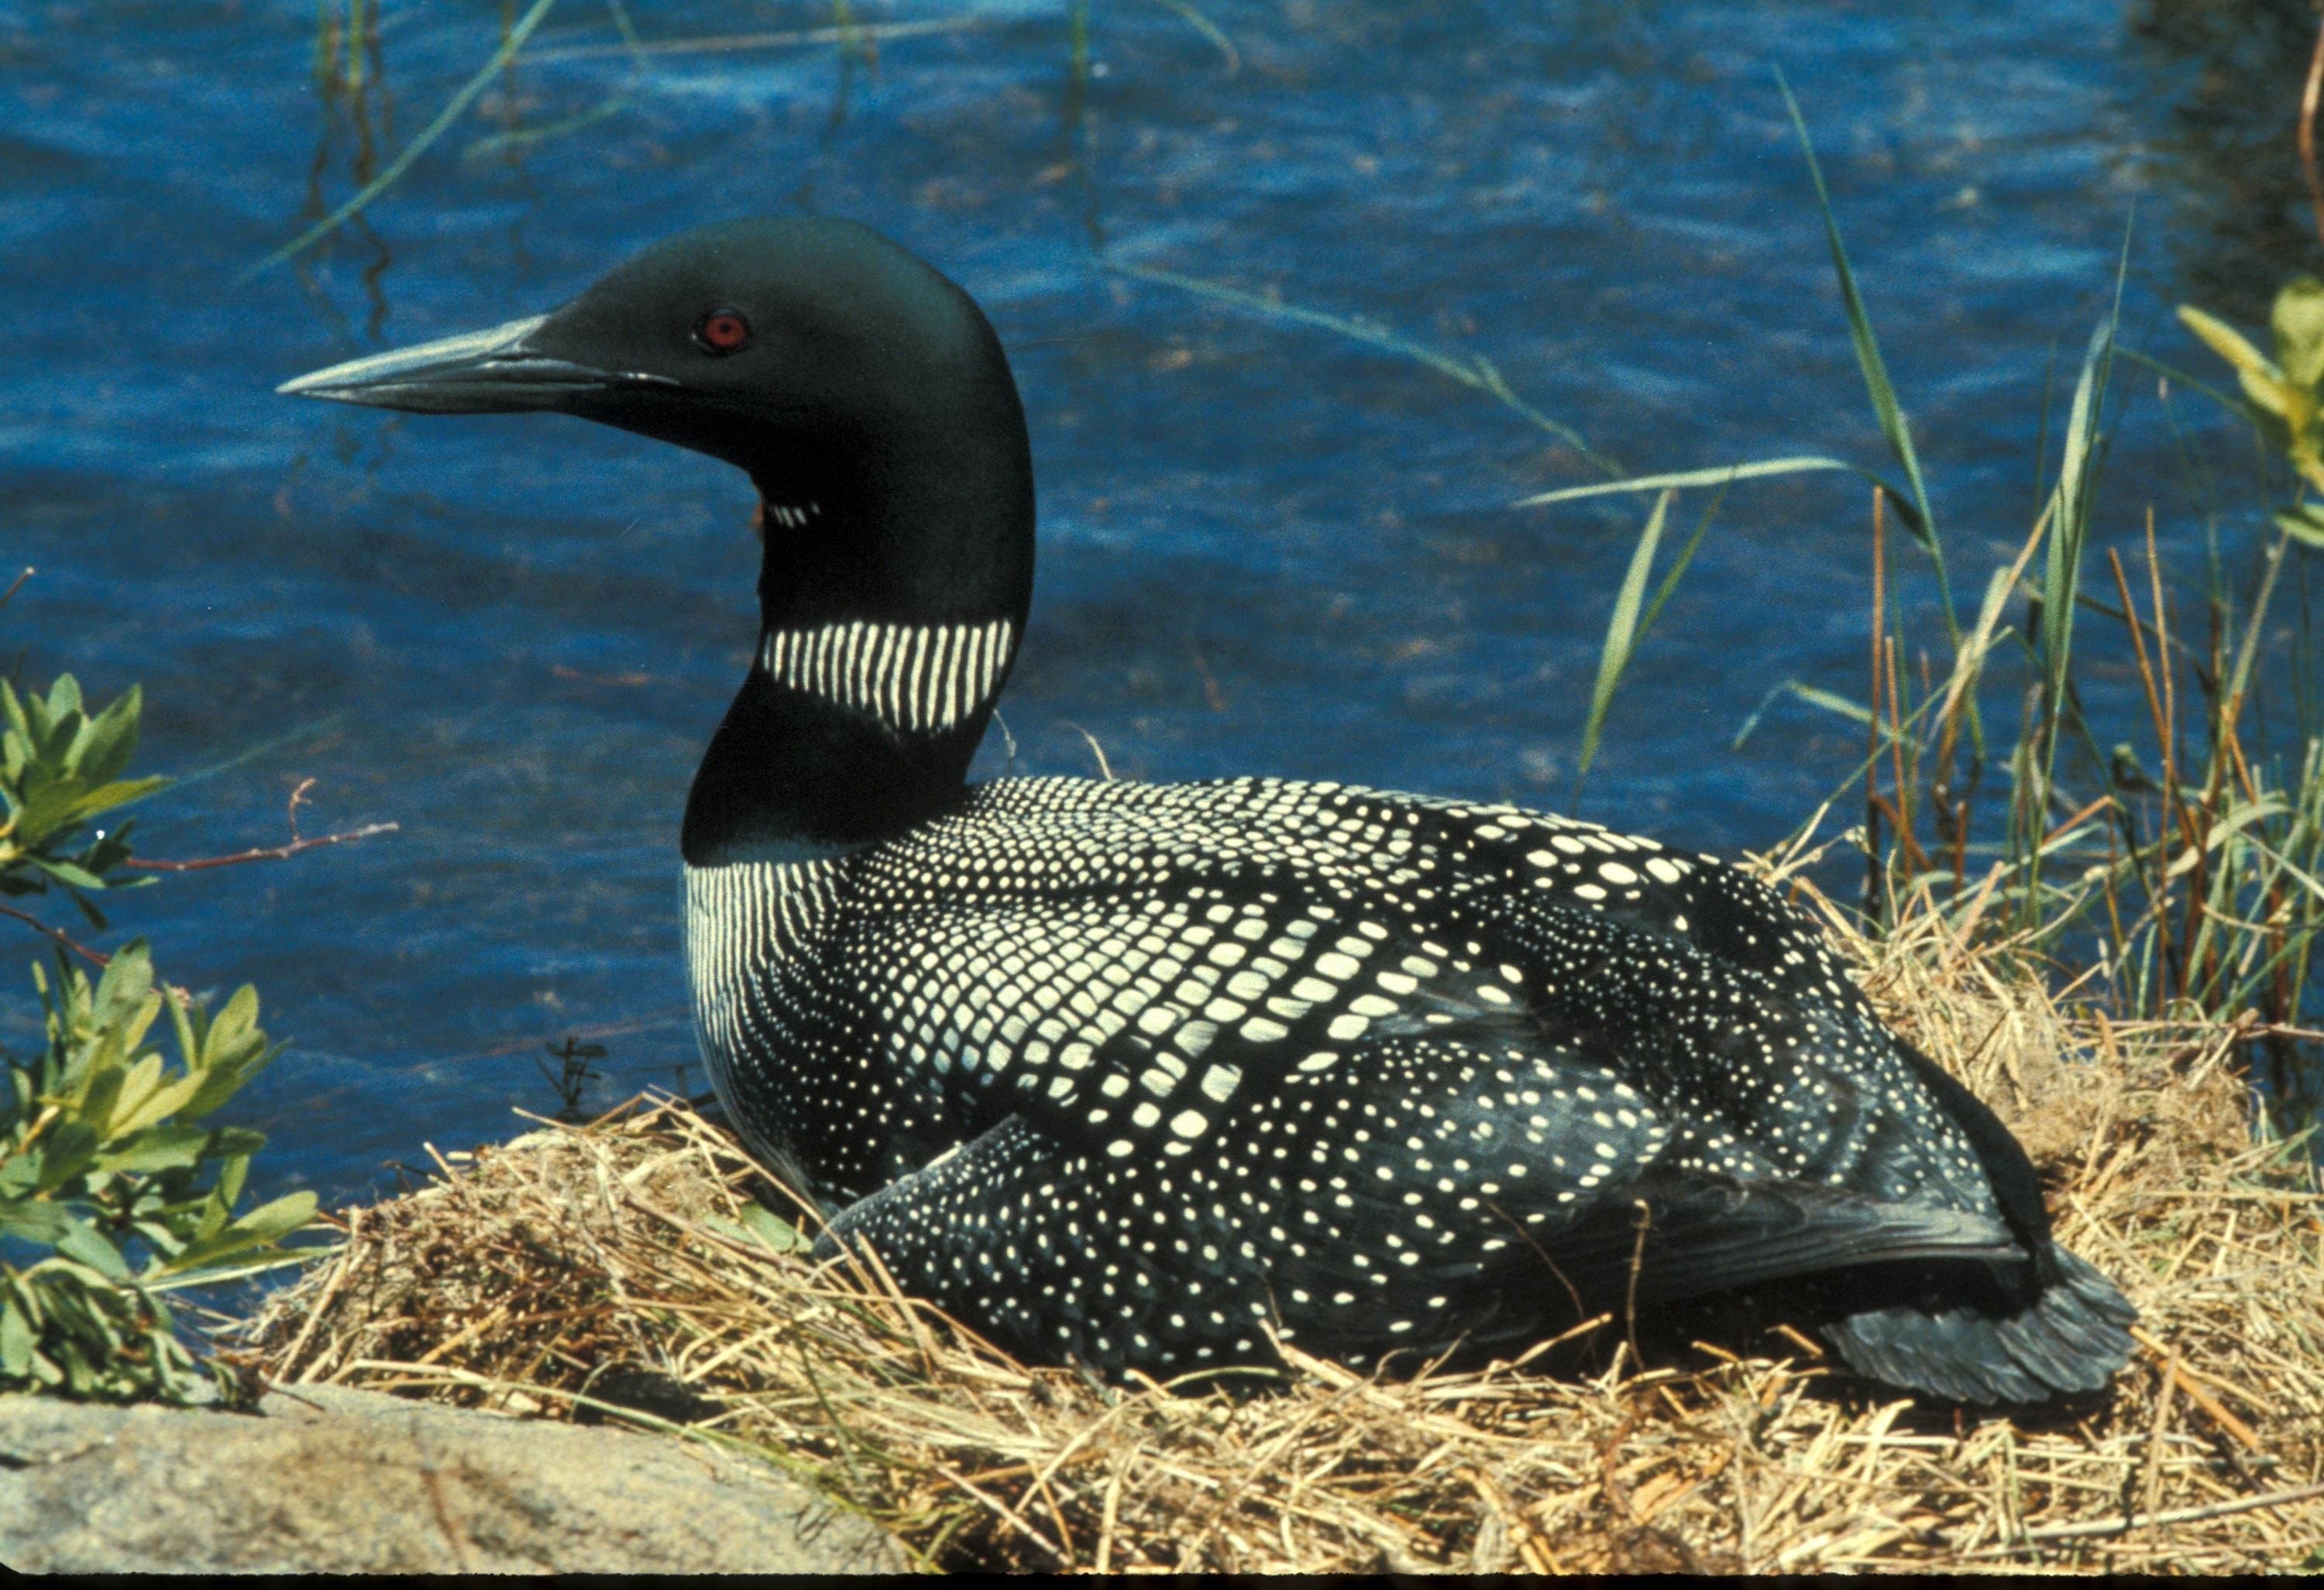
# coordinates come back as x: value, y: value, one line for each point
x: 2172, y: 816
x: 2061, y: 573
x: 1968, y: 671
x: 1475, y: 372
x: 2278, y: 866
x: 1907, y: 778
x: 2181, y: 821
x: 2022, y: 835
x: 1882, y: 391
x: 2310, y: 827
x: 2227, y: 755
x: 1873, y: 866
x: 1678, y: 564
x: 2215, y: 949
x: 2205, y: 808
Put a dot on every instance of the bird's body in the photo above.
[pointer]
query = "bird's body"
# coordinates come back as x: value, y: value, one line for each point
x: 1132, y: 1072
x: 1137, y: 1074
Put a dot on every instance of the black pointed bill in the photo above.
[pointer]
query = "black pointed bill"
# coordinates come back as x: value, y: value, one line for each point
x: 496, y: 371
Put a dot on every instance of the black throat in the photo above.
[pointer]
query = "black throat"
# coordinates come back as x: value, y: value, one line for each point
x: 892, y: 596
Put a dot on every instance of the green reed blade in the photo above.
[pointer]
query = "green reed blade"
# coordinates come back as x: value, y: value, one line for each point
x: 1621, y: 634
x: 1477, y: 374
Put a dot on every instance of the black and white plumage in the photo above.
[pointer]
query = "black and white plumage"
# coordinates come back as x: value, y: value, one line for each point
x: 1134, y: 1074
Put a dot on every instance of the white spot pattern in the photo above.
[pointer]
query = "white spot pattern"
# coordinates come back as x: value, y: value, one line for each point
x: 1411, y: 1037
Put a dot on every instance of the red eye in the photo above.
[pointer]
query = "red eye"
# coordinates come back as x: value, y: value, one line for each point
x: 723, y: 331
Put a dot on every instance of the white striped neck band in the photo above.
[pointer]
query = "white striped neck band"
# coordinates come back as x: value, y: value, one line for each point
x: 923, y: 677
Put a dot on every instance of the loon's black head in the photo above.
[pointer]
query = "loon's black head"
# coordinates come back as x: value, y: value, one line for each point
x: 869, y: 402
x: 863, y: 392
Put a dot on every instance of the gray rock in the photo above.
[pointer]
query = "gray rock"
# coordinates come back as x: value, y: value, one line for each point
x: 365, y: 1483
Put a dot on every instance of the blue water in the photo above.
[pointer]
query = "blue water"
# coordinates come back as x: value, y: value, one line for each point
x: 1266, y: 547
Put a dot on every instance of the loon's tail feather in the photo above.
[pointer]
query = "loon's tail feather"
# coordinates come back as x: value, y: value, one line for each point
x: 1689, y: 1234
x: 2071, y: 1336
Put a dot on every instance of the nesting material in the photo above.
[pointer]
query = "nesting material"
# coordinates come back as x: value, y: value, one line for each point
x: 616, y: 1270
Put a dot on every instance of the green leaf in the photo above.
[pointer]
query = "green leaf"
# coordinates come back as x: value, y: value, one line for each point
x: 231, y: 1175
x: 110, y: 738
x: 2069, y: 515
x: 1622, y: 630
x: 52, y: 805
x: 233, y: 1143
x: 1719, y: 475
x: 16, y: 1339
x: 19, y: 723
x: 43, y: 1223
x: 2304, y: 524
x: 19, y: 1172
x: 1922, y: 523
x: 2263, y: 383
x: 187, y: 1016
x: 143, y: 1079
x: 773, y: 1230
x: 218, y: 1208
x: 159, y: 1105
x: 236, y: 1023
x: 2298, y: 322
x: 67, y: 873
x: 63, y: 701
x: 118, y: 792
x: 86, y: 1244
x: 263, y: 1225
x: 128, y: 979
x: 70, y: 1149
x: 157, y: 1148
x: 219, y: 1081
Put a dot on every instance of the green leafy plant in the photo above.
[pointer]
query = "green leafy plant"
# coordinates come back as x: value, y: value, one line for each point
x: 2283, y: 390
x: 113, y: 1186
x: 106, y: 1152
x: 60, y: 768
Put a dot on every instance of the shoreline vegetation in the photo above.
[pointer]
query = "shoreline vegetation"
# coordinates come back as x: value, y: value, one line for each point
x: 624, y: 1271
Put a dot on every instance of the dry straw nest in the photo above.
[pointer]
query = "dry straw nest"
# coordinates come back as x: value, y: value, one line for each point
x: 620, y: 1271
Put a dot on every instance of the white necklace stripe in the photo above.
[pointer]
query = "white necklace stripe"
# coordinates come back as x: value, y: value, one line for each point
x: 926, y: 677
x: 941, y: 686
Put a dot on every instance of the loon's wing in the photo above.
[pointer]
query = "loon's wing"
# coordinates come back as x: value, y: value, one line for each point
x: 1368, y: 1096
x: 1686, y: 1235
x: 1409, y: 1192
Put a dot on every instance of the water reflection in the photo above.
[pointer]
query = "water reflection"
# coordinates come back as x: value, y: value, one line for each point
x: 357, y: 112
x: 2244, y: 222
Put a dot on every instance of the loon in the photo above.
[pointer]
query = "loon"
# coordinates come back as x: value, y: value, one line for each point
x: 1142, y: 1076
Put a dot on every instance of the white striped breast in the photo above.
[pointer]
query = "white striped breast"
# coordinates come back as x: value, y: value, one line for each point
x: 742, y: 922
x: 923, y: 677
